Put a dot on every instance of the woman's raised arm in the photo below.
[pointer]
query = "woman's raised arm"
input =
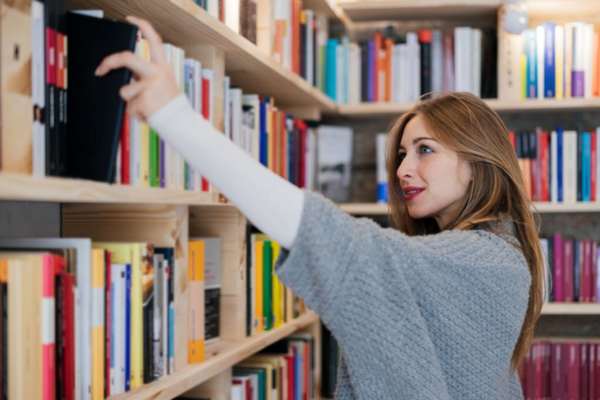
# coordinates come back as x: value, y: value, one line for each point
x: 270, y: 202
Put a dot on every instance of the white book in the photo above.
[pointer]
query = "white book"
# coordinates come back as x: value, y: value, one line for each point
x: 414, y: 66
x: 322, y: 36
x: 158, y: 334
x: 553, y: 167
x: 227, y: 106
x: 547, y: 274
x: 354, y: 66
x: 311, y: 154
x: 540, y: 46
x: 559, y: 59
x: 252, y: 277
x: 118, y: 164
x: 339, y: 73
x: 232, y: 14
x: 83, y: 302
x: 597, y: 172
x: 345, y: 72
x: 117, y: 355
x: 570, y: 166
x: 437, y: 70
x: 588, y: 59
x: 404, y: 72
x: 38, y: 88
x: 476, y: 58
x: 381, y: 168
x: 462, y: 59
x: 165, y: 317
x: 251, y: 103
x: 236, y: 117
x: 395, y: 78
x: 237, y: 391
x: 213, y: 8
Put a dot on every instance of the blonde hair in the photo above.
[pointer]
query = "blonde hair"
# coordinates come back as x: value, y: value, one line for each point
x: 465, y: 124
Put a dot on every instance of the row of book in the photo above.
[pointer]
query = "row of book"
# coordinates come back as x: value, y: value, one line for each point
x: 284, y: 370
x: 558, y: 165
x: 558, y: 61
x: 100, y: 315
x: 239, y: 15
x: 571, y: 269
x: 269, y: 303
x: 561, y: 370
x: 403, y: 67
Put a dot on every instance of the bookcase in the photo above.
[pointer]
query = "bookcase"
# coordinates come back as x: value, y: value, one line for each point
x: 169, y: 217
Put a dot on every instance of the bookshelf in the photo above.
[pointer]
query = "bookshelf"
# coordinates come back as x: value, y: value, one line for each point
x: 230, y: 353
x: 169, y: 217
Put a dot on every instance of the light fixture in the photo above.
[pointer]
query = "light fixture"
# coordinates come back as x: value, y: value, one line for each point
x: 514, y: 18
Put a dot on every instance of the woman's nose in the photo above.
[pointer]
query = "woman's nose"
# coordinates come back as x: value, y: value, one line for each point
x: 406, y: 169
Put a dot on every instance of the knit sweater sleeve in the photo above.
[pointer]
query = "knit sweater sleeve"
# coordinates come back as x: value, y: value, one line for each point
x: 444, y: 310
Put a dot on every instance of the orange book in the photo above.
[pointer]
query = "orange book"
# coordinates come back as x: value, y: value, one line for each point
x: 196, y: 333
x: 389, y: 54
x: 296, y: 10
x: 380, y: 66
x: 596, y: 58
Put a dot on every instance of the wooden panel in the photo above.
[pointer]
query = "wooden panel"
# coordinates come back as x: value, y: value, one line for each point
x: 193, y: 375
x: 217, y: 388
x: 230, y: 225
x: 185, y: 24
x: 572, y: 326
x: 16, y: 112
x: 27, y: 219
x: 165, y: 226
x: 26, y: 187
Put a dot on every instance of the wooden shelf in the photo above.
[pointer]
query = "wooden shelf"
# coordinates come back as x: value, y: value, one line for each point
x: 395, y: 109
x: 542, y: 208
x: 191, y: 376
x: 571, y: 309
x: 49, y: 189
x: 185, y: 24
x: 372, y: 10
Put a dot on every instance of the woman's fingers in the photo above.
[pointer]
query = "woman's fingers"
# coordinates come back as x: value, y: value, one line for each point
x: 132, y: 90
x: 126, y: 59
x: 157, y: 53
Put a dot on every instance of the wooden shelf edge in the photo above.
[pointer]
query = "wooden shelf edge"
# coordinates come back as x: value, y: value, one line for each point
x: 18, y: 187
x: 571, y: 309
x: 538, y: 207
x: 191, y: 376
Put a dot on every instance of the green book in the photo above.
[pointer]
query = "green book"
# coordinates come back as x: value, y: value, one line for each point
x: 154, y: 159
x: 268, y: 284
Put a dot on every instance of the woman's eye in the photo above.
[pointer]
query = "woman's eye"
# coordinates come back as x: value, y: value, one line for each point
x: 424, y: 149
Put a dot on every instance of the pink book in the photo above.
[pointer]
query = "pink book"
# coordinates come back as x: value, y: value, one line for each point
x: 583, y: 371
x: 538, y: 361
x: 568, y: 271
x: 556, y: 367
x: 586, y: 272
x: 557, y: 278
x: 573, y: 381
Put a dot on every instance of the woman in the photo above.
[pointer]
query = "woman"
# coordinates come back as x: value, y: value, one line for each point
x: 444, y: 309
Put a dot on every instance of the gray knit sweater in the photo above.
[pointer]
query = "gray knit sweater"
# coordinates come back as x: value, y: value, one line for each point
x: 421, y: 317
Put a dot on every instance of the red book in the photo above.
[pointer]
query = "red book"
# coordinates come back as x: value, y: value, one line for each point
x: 206, y: 114
x: 107, y: 321
x: 291, y: 374
x: 273, y: 139
x: 573, y: 381
x: 125, y: 151
x: 568, y: 271
x: 594, y: 297
x: 68, y: 285
x: 301, y: 159
x: 556, y: 367
x: 593, y: 167
x: 284, y: 147
x: 538, y: 367
x: 583, y: 371
x: 596, y: 349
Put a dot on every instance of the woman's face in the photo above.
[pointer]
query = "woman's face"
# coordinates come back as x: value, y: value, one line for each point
x: 432, y: 177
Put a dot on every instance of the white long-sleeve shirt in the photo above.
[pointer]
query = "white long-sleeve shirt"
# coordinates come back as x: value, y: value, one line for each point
x: 270, y: 202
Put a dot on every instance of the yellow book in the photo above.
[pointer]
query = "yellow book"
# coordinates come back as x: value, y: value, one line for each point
x: 196, y: 263
x: 523, y: 72
x: 277, y: 289
x: 132, y: 254
x: 258, y: 294
x: 559, y: 40
x: 98, y: 273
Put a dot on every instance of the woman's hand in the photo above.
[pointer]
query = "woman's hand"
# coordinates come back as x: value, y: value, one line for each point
x: 154, y: 84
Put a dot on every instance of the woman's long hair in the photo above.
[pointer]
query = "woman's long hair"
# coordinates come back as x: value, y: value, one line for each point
x: 465, y: 124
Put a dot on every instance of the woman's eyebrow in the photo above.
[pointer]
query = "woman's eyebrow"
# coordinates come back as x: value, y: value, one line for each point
x: 401, y: 147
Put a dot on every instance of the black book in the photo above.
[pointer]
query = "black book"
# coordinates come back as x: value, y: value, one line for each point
x: 489, y: 65
x: 95, y: 108
x: 364, y: 71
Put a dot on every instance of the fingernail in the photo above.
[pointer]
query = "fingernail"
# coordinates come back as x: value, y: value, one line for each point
x: 97, y: 71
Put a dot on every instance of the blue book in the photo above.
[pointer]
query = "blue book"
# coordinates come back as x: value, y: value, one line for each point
x: 127, y: 327
x: 331, y: 69
x: 530, y: 52
x: 559, y: 161
x: 586, y: 162
x: 264, y: 143
x: 549, y: 65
